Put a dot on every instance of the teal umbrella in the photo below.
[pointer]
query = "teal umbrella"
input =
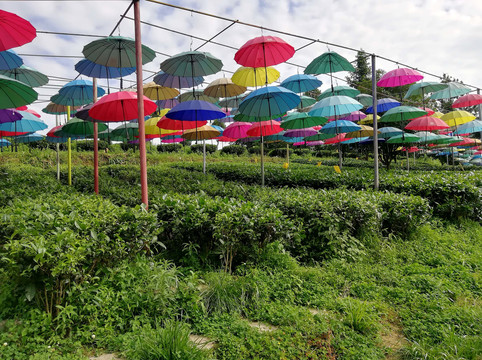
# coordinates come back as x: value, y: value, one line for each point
x: 364, y: 99
x: 192, y: 63
x: 469, y: 127
x: 301, y: 120
x: 28, y: 138
x: 306, y: 101
x: 14, y: 93
x: 339, y: 90
x: 9, y: 60
x: 389, y: 131
x: 452, y: 90
x: 423, y: 88
x: 334, y: 106
x: 196, y: 95
x: 270, y: 101
x: 402, y: 113
x: 328, y: 63
x: 27, y: 75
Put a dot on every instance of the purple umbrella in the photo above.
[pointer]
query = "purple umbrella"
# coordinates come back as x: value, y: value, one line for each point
x: 301, y: 132
x: 354, y: 116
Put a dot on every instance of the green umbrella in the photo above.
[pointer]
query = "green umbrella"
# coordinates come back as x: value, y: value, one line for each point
x: 328, y: 62
x: 339, y: 90
x: 364, y: 99
x: 65, y: 100
x: 320, y: 136
x: 81, y: 127
x: 107, y: 135
x: 14, y: 93
x: 196, y: 95
x: 192, y: 63
x: 452, y: 90
x: 27, y: 75
x: 116, y: 51
x: 127, y: 131
x: 402, y: 113
x: 302, y: 120
x: 423, y: 88
x: 306, y: 101
x: 403, y: 139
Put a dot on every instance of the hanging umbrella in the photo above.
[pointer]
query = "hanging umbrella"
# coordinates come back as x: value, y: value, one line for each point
x: 80, y: 90
x: 33, y: 112
x: 14, y: 31
x: 457, y: 117
x: 436, y: 114
x: 338, y: 139
x: 365, y: 131
x: 9, y: 115
x: 403, y: 139
x: 27, y: 75
x: 248, y: 76
x: 202, y: 133
x: 126, y: 131
x: 328, y: 63
x: 402, y: 113
x: 4, y: 142
x: 168, y: 103
x: 230, y: 102
x: 223, y: 87
x: 264, y: 128
x: 301, y: 120
x: 429, y: 111
x: 79, y: 127
x: 28, y: 138
x: 364, y: 99
x: 339, y: 126
x: 192, y: 63
x: 172, y: 140
x: 271, y: 101
x: 383, y: 105
x: 28, y: 124
x: 14, y: 93
x: 339, y: 90
x: 177, y: 82
x: 467, y: 100
x: 426, y: 123
x: 367, y: 120
x: 91, y: 69
x: 301, y: 83
x: 388, y: 132
x: 119, y: 106
x: 157, y: 92
x: 170, y: 124
x: 300, y: 132
x: 335, y: 105
x: 56, y: 109
x: 195, y: 110
x: 196, y: 95
x: 306, y: 101
x: 237, y: 130
x: 399, y: 77
x: 424, y: 87
x: 264, y: 51
x: 354, y: 116
x: 453, y: 89
x: 116, y: 51
x: 469, y: 127
x: 9, y: 60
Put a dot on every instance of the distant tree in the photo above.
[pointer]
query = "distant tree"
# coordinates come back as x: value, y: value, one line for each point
x: 362, y: 70
x: 313, y: 93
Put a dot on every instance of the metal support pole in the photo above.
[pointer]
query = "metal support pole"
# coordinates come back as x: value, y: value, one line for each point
x: 288, y: 153
x: 69, y: 153
x: 204, y: 156
x: 96, y: 144
x: 262, y: 160
x: 375, y: 123
x: 140, y: 104
x: 58, y: 150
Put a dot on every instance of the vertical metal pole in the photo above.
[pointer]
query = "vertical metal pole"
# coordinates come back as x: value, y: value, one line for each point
x: 140, y: 104
x: 204, y: 156
x: 262, y: 160
x: 58, y: 150
x: 375, y: 123
x: 96, y: 144
x: 288, y: 153
x: 69, y: 153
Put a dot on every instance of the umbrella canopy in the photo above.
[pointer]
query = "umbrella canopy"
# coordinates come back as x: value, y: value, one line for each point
x: 157, y: 92
x: 76, y: 126
x: 399, y: 77
x: 383, y: 105
x: 365, y: 131
x: 301, y: 83
x: 336, y: 139
x: 328, y: 62
x: 173, y: 140
x: 126, y: 131
x: 177, y: 82
x: 119, y: 106
x: 28, y: 138
x: 93, y: 70
x: 426, y: 123
x: 264, y: 51
x: 14, y: 93
x: 335, y: 105
x: 368, y: 120
x: 469, y: 128
x: 271, y: 101
x: 196, y: 95
x: 389, y: 131
x: 248, y: 76
x: 230, y: 102
x: 453, y: 89
x: 301, y: 120
x: 9, y: 60
x: 403, y: 139
x: 300, y: 132
x: 339, y: 90
x: 192, y: 63
x: 28, y: 124
x: 27, y: 75
x: 9, y: 115
x: 423, y: 88
x: 364, y: 99
x: 457, y: 117
x: 340, y: 126
x: 14, y: 31
x: 195, y: 110
x: 201, y: 133
x: 4, y: 142
x: 467, y: 100
x: 306, y: 101
x: 402, y: 113
x: 237, y: 130
x: 170, y: 124
x: 264, y: 128
x: 168, y: 103
x: 223, y: 87
x: 355, y: 116
x: 116, y: 51
x: 56, y: 109
x: 81, y: 90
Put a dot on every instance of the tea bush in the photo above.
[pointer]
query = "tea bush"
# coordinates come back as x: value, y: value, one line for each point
x: 233, y: 150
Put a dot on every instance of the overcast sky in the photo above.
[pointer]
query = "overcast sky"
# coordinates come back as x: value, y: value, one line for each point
x: 437, y: 36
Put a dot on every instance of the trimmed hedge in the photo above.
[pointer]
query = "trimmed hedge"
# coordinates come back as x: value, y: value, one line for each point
x: 198, y: 148
x: 169, y: 147
x: 234, y: 150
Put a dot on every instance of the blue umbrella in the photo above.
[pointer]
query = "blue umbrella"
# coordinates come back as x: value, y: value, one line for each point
x: 469, y: 127
x: 56, y: 140
x: 195, y: 110
x: 28, y: 124
x: 177, y: 82
x: 389, y: 131
x: 28, y: 138
x: 339, y: 126
x: 370, y: 141
x: 91, y: 69
x: 269, y: 101
x: 383, y: 105
x: 9, y: 60
x: 218, y: 128
x: 4, y: 142
x: 80, y: 90
x: 301, y: 83
x: 167, y: 104
x: 334, y: 106
x: 356, y: 140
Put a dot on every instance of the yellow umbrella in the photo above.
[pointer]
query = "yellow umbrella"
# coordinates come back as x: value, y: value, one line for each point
x: 224, y: 87
x: 247, y: 76
x: 437, y: 114
x: 363, y: 132
x: 158, y: 92
x: 457, y: 117
x: 367, y: 120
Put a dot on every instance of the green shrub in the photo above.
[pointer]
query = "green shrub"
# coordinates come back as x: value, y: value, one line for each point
x: 234, y: 150
x: 198, y: 148
x: 169, y: 147
x: 88, y: 145
x: 303, y: 151
x: 280, y: 152
x: 255, y: 149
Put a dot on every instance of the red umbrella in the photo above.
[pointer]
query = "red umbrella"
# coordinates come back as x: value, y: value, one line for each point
x: 264, y: 51
x: 264, y: 128
x: 465, y: 142
x: 120, y: 106
x: 429, y: 112
x: 223, y: 138
x: 14, y: 31
x: 427, y: 123
x: 52, y: 131
x: 399, y: 77
x: 467, y: 100
x: 335, y: 140
x: 33, y: 112
x: 170, y: 124
x: 11, y: 133
x: 22, y: 108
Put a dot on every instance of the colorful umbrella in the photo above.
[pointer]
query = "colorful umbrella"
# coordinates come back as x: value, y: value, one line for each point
x: 79, y: 91
x: 202, y: 133
x: 383, y: 105
x: 264, y: 51
x: 271, y: 101
x: 367, y: 120
x: 168, y: 103
x: 453, y: 89
x: 119, y: 106
x: 223, y: 87
x: 28, y: 138
x: 76, y: 126
x: 177, y: 82
x: 157, y: 92
x: 264, y: 128
x: 355, y: 116
x: 93, y: 70
x: 424, y: 87
x: 192, y: 63
x: 403, y: 139
x: 300, y: 132
x: 338, y: 139
x: 469, y: 128
x: 339, y: 126
x: 9, y: 115
x: 388, y: 132
x: 364, y: 99
x: 14, y: 93
x: 195, y: 110
x: 399, y: 77
x: 329, y: 62
x: 426, y: 123
x: 4, y: 142
x: 365, y: 131
x: 196, y: 95
x: 457, y: 117
x: 467, y: 100
x: 170, y: 124
x: 339, y: 90
x: 247, y: 76
x: 237, y: 130
x: 27, y: 75
x: 306, y: 101
x: 126, y: 131
x: 14, y: 31
x: 301, y: 120
x: 301, y: 83
x: 402, y: 113
x: 335, y: 105
x: 9, y: 60
x: 28, y: 124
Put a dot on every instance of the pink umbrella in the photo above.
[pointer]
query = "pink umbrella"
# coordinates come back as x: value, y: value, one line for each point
x: 464, y: 142
x: 14, y: 31
x: 172, y: 141
x: 337, y: 139
x: 318, y: 127
x: 264, y: 128
x: 478, y: 152
x: 355, y: 116
x: 264, y: 51
x: 120, y: 106
x: 467, y: 100
x: 309, y: 143
x: 33, y: 112
x: 413, y: 149
x: 427, y: 123
x: 223, y: 138
x: 237, y: 130
x: 427, y: 110
x: 399, y: 77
